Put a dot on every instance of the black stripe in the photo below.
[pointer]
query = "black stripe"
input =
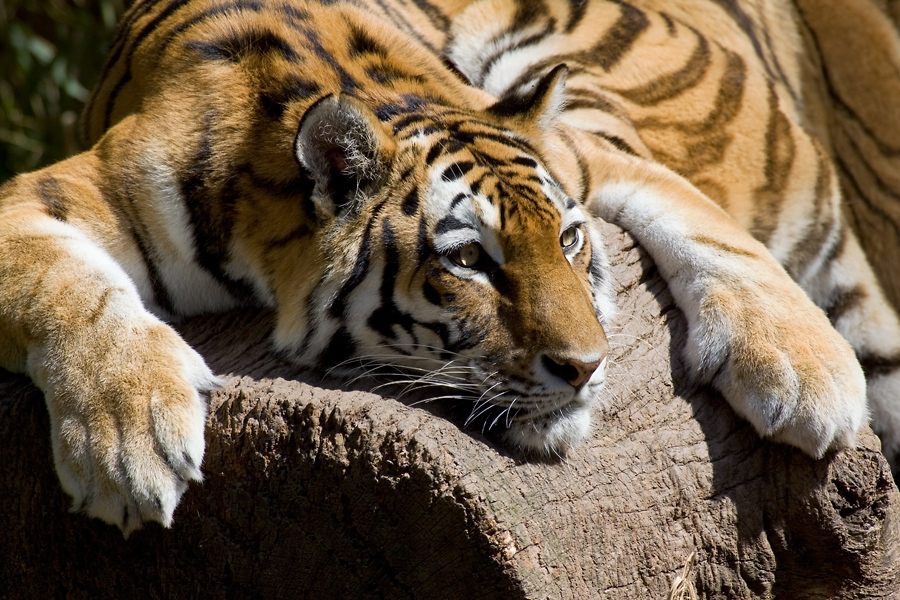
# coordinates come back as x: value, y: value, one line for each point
x: 435, y: 151
x: 411, y: 202
x: 843, y: 301
x: 406, y: 174
x: 385, y: 317
x: 527, y: 192
x: 123, y: 198
x: 299, y: 188
x: 431, y: 294
x: 475, y: 185
x: 211, y: 210
x: 851, y: 177
x: 514, y: 103
x: 457, y: 199
x: 215, y: 11
x: 457, y: 170
x: 818, y: 235
x: 875, y: 366
x: 617, y: 142
x: 409, y: 103
x: 423, y: 246
x: 138, y: 40
x: 360, y: 269
x: 361, y: 43
x: 423, y: 130
x: 595, y: 269
x: 721, y: 246
x: 52, y: 197
x: 450, y: 223
x: 238, y: 46
x: 746, y: 24
x: 292, y: 88
x: 98, y: 309
x: 435, y: 16
x: 780, y: 151
x: 837, y: 248
x: 301, y: 232
x: 576, y: 99
x: 348, y: 83
x: 472, y: 137
x: 577, y: 9
x: 619, y: 38
x: 525, y: 161
x: 666, y: 87
x: 521, y: 178
x: 488, y: 63
x: 112, y: 59
x: 161, y: 295
x: 584, y: 172
x: 527, y: 13
x: 407, y: 120
x: 729, y: 98
x: 712, y: 131
x: 384, y: 73
x: 670, y: 24
x: 341, y: 348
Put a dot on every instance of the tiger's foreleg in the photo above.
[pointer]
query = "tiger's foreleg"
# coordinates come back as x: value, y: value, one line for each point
x: 121, y: 387
x: 753, y: 332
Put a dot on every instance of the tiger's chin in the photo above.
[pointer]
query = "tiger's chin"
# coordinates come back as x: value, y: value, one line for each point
x: 551, y: 434
x: 554, y: 432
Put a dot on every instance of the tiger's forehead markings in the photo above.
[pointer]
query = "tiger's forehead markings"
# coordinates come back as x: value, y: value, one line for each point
x: 454, y: 197
x: 481, y: 176
x: 460, y: 215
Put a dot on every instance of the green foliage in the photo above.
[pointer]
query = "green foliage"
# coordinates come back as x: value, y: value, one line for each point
x: 51, y: 53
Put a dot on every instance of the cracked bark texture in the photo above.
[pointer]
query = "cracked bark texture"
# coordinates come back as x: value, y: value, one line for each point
x: 311, y: 492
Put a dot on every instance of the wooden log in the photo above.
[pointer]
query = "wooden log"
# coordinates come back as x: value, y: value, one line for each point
x: 315, y: 492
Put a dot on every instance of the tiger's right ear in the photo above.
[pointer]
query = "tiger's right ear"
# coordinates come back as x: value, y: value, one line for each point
x: 346, y: 149
x: 541, y: 105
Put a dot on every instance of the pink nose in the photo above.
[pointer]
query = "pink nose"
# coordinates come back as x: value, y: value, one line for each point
x: 575, y: 372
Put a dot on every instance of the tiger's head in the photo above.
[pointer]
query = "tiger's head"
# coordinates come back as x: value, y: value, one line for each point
x: 452, y: 254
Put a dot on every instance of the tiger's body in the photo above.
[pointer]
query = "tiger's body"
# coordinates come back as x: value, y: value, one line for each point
x: 415, y: 186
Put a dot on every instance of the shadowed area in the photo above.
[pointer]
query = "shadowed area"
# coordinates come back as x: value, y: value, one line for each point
x: 311, y: 492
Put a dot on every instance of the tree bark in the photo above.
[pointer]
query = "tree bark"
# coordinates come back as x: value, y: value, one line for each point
x: 313, y: 492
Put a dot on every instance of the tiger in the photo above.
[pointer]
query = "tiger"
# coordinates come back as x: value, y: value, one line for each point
x: 417, y: 187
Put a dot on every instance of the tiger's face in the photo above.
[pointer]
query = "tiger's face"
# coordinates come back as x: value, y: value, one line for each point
x: 452, y: 254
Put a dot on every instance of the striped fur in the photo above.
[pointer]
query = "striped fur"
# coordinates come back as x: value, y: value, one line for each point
x: 413, y: 188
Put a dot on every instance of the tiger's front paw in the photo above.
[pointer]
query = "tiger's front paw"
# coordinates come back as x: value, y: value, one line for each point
x: 127, y: 422
x: 780, y: 364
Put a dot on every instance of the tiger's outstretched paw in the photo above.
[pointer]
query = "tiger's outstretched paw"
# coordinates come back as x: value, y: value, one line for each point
x: 127, y: 421
x: 780, y: 364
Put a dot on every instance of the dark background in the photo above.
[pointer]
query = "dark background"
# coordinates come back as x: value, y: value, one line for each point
x: 51, y: 54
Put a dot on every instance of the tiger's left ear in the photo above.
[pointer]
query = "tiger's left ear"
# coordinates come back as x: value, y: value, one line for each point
x: 542, y: 105
x: 346, y: 149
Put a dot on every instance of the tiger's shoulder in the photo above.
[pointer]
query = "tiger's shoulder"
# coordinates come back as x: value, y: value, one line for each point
x: 268, y: 52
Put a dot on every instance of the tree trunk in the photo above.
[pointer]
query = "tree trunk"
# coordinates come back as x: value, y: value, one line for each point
x: 312, y: 492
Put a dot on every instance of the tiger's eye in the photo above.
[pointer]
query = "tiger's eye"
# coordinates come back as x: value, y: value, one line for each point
x: 466, y: 256
x: 569, y: 237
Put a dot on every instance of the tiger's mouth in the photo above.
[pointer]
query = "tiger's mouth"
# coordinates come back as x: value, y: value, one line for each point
x: 547, y: 420
x: 543, y: 418
x: 551, y: 433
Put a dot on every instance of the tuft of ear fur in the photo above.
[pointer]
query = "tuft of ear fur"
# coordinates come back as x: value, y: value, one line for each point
x: 346, y: 149
x: 542, y: 105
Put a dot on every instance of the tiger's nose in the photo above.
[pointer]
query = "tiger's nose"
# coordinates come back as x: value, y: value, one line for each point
x: 575, y: 372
